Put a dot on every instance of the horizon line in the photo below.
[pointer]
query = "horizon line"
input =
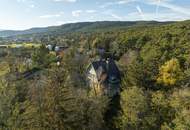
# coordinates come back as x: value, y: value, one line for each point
x: 38, y: 27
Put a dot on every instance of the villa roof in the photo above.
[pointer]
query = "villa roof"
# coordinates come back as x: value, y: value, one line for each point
x: 106, y: 70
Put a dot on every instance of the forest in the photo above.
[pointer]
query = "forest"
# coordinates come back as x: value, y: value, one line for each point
x: 153, y: 59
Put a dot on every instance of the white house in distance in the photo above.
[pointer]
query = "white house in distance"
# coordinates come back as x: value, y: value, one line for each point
x: 56, y: 48
x: 103, y: 76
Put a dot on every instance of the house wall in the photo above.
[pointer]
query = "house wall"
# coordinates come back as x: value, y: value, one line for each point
x: 92, y: 75
x: 93, y: 81
x: 98, y: 88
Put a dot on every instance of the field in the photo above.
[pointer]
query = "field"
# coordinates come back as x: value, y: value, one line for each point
x: 23, y: 45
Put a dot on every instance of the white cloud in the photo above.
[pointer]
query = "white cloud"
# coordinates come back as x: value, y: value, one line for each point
x: 28, y: 3
x: 112, y: 15
x: 52, y: 15
x: 65, y: 22
x: 21, y: 0
x: 32, y: 6
x: 170, y: 6
x: 118, y: 2
x: 76, y: 13
x: 70, y: 1
x: 179, y: 11
x: 164, y: 16
x: 140, y: 11
x: 117, y: 17
x: 107, y: 4
x: 158, y: 6
x: 160, y: 3
x: 90, y: 11
x: 125, y: 1
x: 129, y: 1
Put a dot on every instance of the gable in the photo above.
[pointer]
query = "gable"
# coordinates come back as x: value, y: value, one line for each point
x: 92, y: 74
x: 104, y: 72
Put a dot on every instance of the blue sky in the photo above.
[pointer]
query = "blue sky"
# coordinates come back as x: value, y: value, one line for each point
x: 24, y: 14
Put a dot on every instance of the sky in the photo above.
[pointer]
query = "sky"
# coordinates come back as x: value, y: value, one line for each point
x: 25, y: 14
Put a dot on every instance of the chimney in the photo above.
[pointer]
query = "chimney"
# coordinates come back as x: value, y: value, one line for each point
x: 107, y: 64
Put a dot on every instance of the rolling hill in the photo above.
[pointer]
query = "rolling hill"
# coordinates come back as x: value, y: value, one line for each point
x: 81, y: 27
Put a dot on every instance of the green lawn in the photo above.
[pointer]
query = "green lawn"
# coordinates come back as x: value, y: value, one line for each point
x: 25, y: 45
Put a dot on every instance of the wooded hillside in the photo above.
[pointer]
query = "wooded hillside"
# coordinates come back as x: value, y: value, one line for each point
x: 154, y: 61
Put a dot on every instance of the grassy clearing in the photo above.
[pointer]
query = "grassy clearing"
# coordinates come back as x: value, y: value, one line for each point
x: 25, y: 45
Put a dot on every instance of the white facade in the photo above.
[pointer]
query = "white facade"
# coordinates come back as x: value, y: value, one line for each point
x: 92, y: 77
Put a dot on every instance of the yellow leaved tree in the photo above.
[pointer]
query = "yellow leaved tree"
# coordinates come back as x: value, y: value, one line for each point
x: 170, y: 72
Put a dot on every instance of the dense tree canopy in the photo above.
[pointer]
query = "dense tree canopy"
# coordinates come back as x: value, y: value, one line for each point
x: 154, y: 61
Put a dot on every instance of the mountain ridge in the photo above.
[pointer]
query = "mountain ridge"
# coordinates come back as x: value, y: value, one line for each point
x: 80, y: 26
